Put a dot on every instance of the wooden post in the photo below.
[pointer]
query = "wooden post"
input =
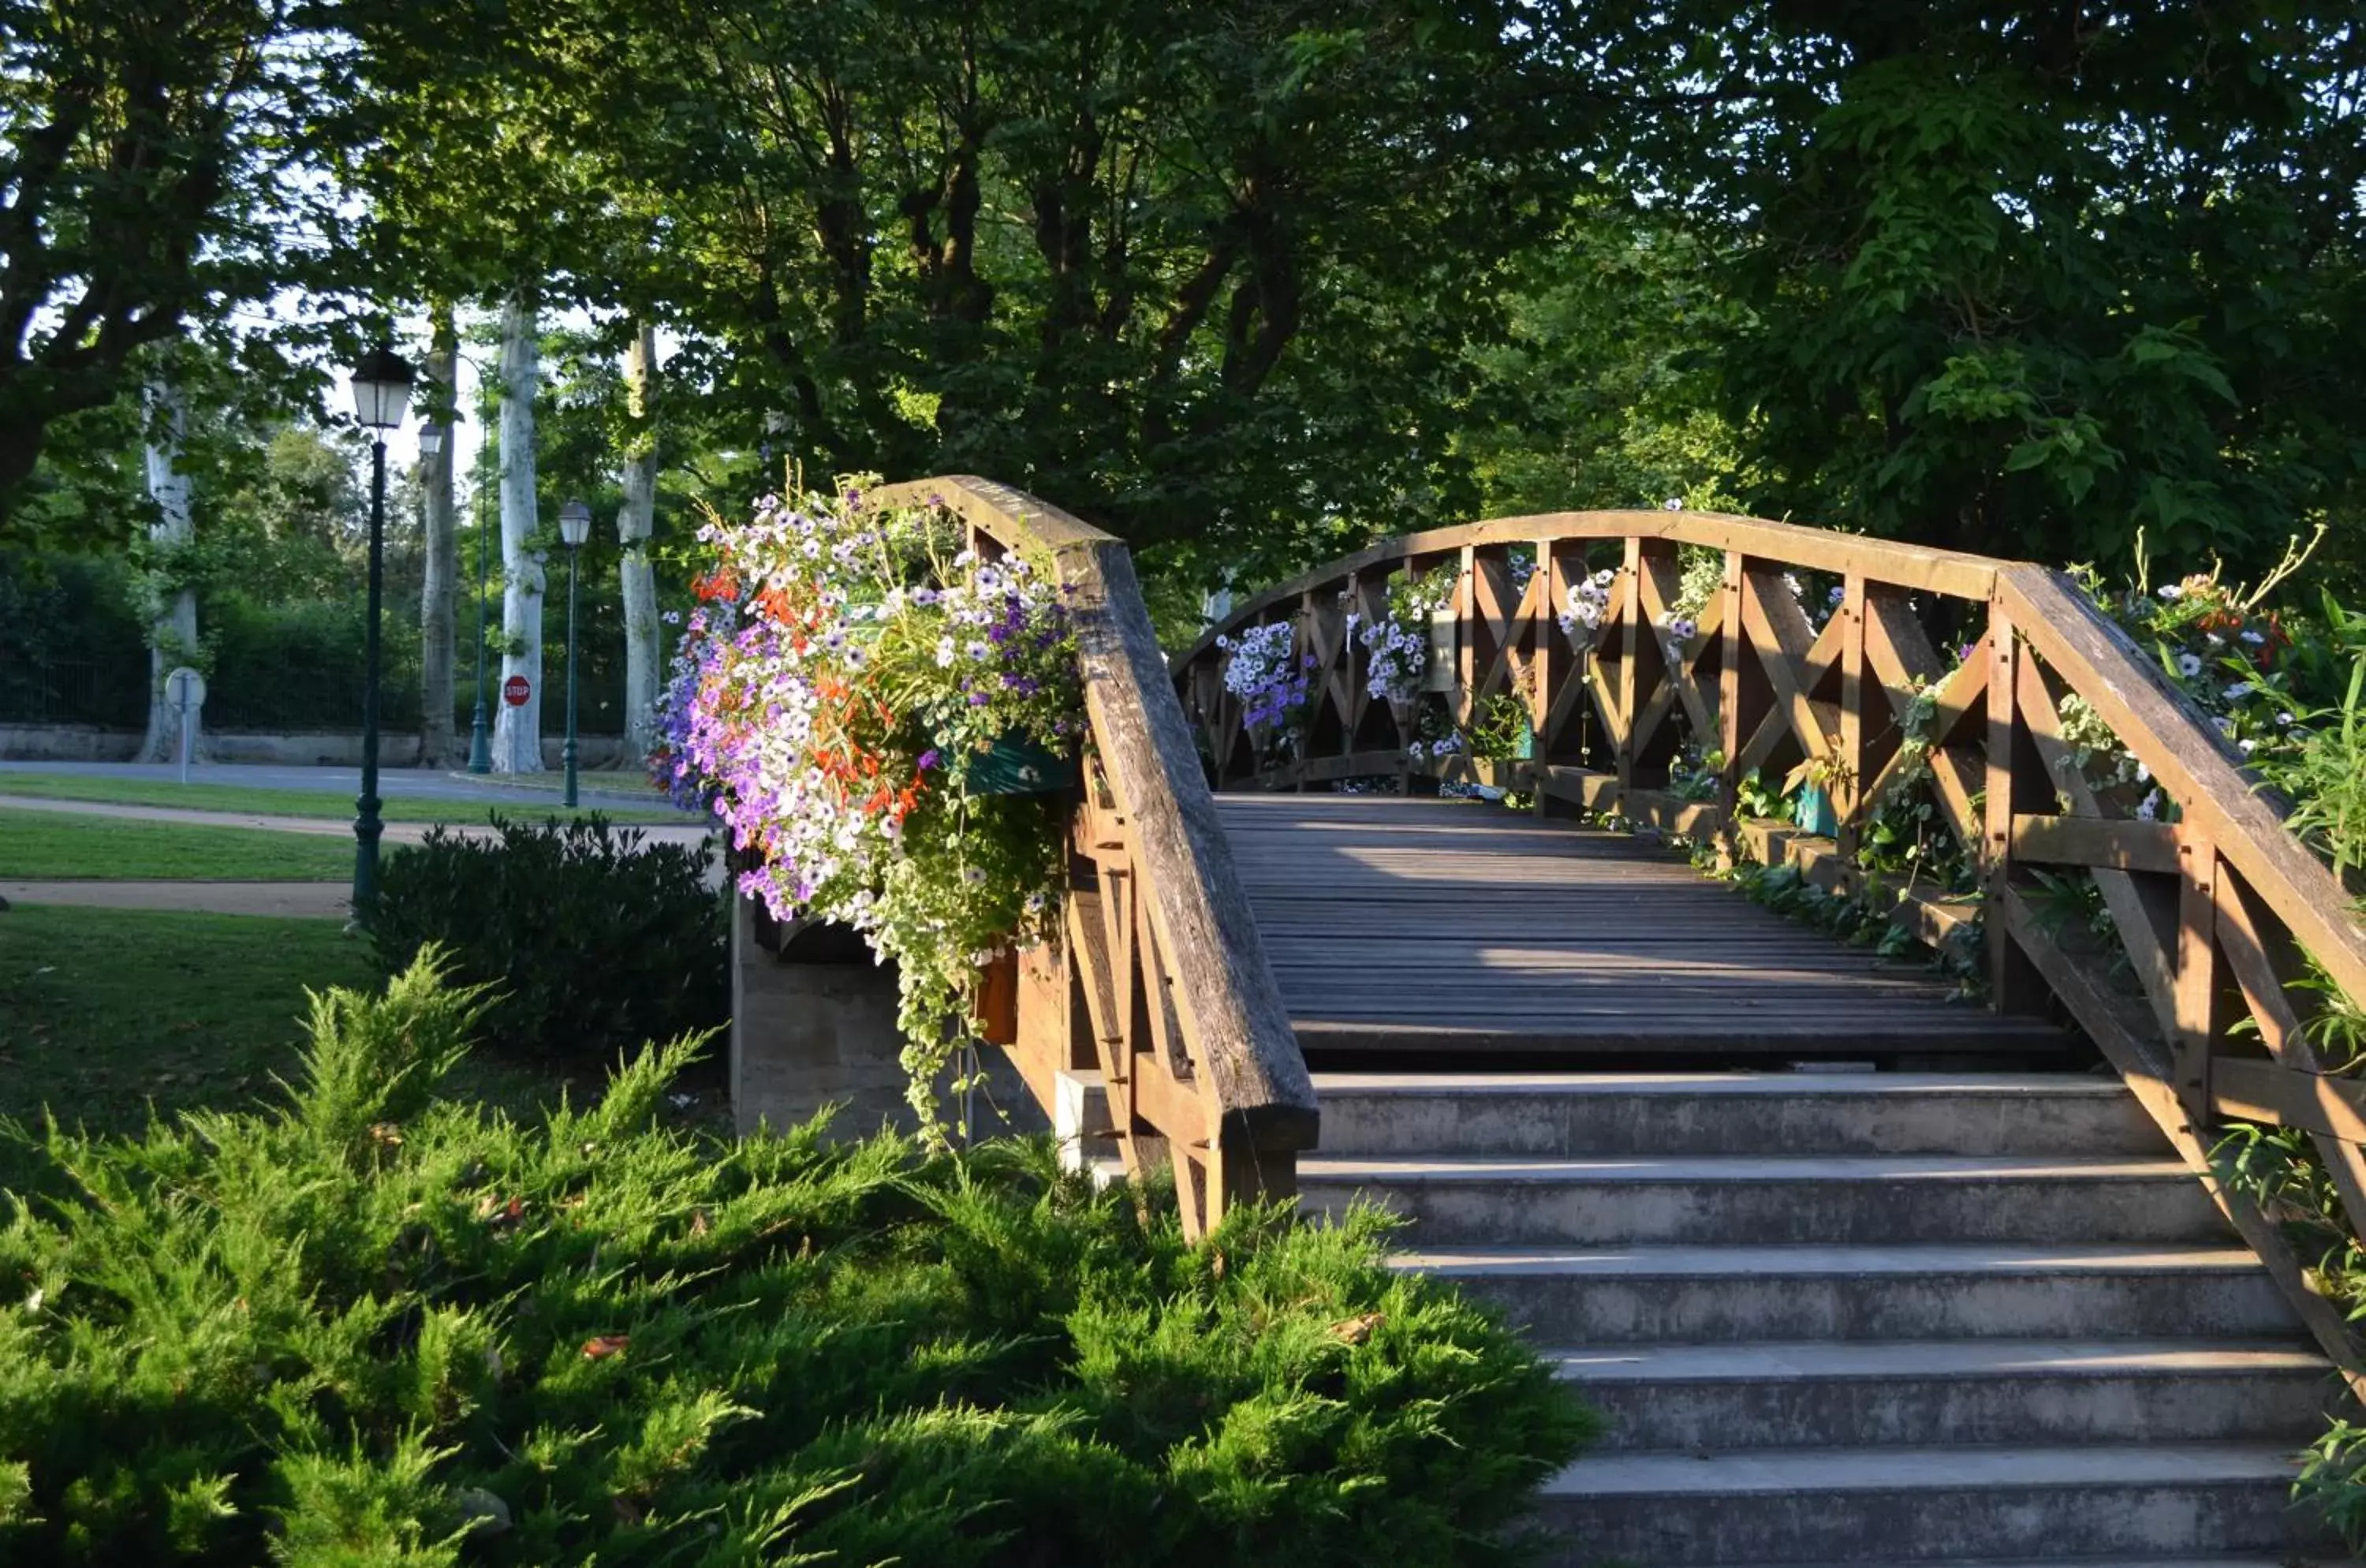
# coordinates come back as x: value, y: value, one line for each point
x: 2014, y: 985
x: 1733, y: 730
x: 2198, y: 979
x: 1634, y: 638
x: 1849, y: 797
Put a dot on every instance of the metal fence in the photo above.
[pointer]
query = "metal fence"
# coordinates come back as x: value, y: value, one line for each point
x: 106, y: 691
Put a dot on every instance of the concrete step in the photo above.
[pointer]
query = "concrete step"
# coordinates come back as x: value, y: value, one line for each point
x: 1929, y: 1504
x: 2294, y: 1559
x: 1841, y: 1393
x: 1614, y: 1114
x: 2308, y: 1558
x: 1863, y: 1200
x: 1622, y: 1295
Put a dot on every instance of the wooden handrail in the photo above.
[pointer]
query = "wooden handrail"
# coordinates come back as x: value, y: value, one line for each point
x: 2211, y: 915
x: 1163, y: 983
x: 2214, y: 792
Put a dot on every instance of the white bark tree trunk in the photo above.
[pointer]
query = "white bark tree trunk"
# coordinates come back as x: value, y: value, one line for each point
x: 517, y: 733
x: 644, y: 653
x: 436, y: 644
x: 173, y: 638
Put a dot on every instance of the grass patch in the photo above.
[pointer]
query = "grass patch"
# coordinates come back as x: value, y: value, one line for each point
x: 105, y: 1011
x: 40, y: 844
x: 304, y: 802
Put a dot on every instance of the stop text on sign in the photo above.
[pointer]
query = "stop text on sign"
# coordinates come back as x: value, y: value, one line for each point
x: 515, y: 690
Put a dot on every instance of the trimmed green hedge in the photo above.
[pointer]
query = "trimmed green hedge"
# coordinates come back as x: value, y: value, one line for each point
x: 590, y: 939
x: 380, y: 1326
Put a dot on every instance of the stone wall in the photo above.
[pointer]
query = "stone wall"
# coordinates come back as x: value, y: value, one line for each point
x: 814, y: 1024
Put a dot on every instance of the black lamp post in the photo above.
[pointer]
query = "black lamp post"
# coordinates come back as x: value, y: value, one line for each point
x: 481, y: 741
x: 381, y: 391
x: 574, y: 528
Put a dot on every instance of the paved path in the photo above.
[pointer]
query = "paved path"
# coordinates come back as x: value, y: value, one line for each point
x: 325, y: 899
x: 415, y: 784
x: 396, y: 832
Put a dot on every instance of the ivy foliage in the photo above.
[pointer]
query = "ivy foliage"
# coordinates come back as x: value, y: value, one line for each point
x: 382, y: 1326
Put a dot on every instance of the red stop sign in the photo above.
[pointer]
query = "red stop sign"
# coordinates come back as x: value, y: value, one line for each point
x: 515, y: 690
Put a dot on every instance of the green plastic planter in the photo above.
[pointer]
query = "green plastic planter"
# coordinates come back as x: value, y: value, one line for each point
x: 1816, y: 813
x: 1016, y: 766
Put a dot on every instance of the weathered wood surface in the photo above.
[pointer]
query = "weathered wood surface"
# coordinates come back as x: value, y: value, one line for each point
x: 1415, y: 924
x: 1161, y: 983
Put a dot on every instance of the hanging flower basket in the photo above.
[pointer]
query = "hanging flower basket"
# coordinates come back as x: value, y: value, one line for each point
x: 879, y: 716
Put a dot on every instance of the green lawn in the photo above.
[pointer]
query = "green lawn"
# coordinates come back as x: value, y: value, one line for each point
x: 103, y: 1011
x: 38, y: 845
x: 300, y: 802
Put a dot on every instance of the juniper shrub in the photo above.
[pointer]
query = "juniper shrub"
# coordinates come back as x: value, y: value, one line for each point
x: 381, y: 1326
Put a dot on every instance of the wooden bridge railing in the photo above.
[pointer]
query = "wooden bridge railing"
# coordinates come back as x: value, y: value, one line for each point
x: 2186, y: 986
x: 1159, y: 980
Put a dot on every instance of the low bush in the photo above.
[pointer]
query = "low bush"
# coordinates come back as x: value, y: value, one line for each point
x: 591, y: 939
x: 380, y: 1326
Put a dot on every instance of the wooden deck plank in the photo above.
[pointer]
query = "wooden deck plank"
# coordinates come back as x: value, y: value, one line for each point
x: 1452, y: 926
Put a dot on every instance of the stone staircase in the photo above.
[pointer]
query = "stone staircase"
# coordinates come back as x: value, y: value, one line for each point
x: 1859, y: 1318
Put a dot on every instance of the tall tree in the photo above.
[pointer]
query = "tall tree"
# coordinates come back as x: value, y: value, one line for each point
x: 439, y: 548
x: 517, y: 732
x: 1203, y: 271
x: 2032, y: 281
x: 160, y: 164
x: 644, y: 660
x: 172, y: 634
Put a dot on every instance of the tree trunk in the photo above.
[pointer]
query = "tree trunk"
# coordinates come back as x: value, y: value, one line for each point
x: 173, y: 638
x: 644, y: 657
x: 436, y: 644
x: 517, y: 733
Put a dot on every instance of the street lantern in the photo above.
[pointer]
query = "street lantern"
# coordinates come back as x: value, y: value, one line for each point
x: 381, y: 383
x: 574, y: 528
x: 431, y: 440
x: 381, y: 387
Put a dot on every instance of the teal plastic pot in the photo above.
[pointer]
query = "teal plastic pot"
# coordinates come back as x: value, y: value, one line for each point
x: 1816, y: 813
x: 1014, y: 765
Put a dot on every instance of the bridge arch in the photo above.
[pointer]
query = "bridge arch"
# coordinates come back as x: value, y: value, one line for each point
x: 2215, y: 908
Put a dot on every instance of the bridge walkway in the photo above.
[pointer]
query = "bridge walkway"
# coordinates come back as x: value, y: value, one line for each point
x: 1458, y: 928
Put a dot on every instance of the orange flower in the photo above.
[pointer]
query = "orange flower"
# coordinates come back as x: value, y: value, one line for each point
x: 2278, y: 639
x: 717, y: 585
x: 775, y: 605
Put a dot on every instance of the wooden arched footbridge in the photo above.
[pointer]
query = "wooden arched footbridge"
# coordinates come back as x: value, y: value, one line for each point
x: 1977, y: 1298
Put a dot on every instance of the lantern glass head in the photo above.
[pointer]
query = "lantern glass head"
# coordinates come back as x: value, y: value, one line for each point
x: 381, y: 387
x: 431, y: 440
x: 574, y: 524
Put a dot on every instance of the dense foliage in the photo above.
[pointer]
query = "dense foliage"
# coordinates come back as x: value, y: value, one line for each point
x: 590, y: 940
x: 380, y: 1326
